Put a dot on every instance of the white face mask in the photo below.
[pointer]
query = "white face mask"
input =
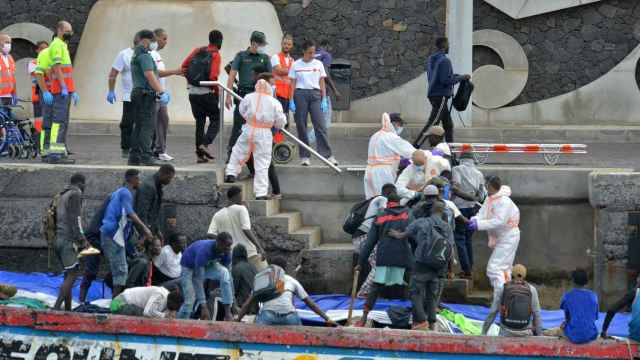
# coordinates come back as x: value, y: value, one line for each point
x: 262, y: 49
x: 153, y: 46
x: 6, y: 48
x: 399, y: 130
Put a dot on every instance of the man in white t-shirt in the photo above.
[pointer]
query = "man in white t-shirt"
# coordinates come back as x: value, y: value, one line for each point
x: 162, y: 115
x: 280, y: 311
x: 148, y: 301
x: 122, y: 65
x: 166, y: 266
x: 234, y: 219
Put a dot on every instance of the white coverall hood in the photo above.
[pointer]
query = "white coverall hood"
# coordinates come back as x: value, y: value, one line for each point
x: 384, y: 153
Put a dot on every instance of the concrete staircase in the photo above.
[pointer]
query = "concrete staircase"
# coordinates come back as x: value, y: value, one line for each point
x: 271, y: 212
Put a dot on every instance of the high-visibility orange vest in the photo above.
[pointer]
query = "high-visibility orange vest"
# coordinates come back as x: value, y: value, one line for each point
x: 283, y: 83
x: 7, y: 77
x: 67, y: 75
x: 35, y: 96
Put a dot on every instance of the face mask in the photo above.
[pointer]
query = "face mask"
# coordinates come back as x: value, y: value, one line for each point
x: 419, y: 168
x: 399, y: 130
x: 153, y: 46
x: 273, y: 89
x: 67, y: 36
x: 262, y: 50
x: 6, y: 48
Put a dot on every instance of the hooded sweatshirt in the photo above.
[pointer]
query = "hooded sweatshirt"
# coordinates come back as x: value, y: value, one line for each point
x: 391, y: 251
x: 440, y: 75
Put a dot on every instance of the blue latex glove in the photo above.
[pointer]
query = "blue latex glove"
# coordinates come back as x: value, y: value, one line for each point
x: 111, y: 97
x: 324, y: 105
x: 446, y: 192
x: 47, y: 98
x: 472, y: 225
x: 14, y: 99
x: 165, y: 98
x: 292, y: 105
x: 437, y: 152
x: 64, y: 92
x: 75, y: 98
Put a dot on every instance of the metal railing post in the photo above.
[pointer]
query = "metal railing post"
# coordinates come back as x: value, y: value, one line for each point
x: 224, y: 89
x: 221, y: 153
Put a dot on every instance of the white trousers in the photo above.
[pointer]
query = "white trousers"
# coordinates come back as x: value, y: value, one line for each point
x: 256, y: 141
x: 501, y: 260
x: 375, y: 177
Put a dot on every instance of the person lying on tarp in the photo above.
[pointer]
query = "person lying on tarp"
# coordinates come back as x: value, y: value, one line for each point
x: 7, y: 291
x: 276, y: 297
x: 148, y: 301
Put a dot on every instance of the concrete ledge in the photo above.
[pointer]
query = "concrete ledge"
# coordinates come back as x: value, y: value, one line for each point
x: 615, y: 190
x: 562, y: 134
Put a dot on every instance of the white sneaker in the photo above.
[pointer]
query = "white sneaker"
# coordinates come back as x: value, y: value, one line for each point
x: 305, y: 162
x: 165, y: 157
x: 333, y: 161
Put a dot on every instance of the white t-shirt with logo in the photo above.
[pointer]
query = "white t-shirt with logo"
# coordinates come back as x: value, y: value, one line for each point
x: 307, y: 74
x: 161, y: 67
x: 122, y: 63
x: 234, y: 219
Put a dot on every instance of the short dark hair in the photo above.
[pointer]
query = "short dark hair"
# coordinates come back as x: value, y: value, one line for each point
x: 580, y: 277
x: 146, y: 34
x: 224, y: 237
x: 279, y: 261
x: 386, y: 188
x: 441, y: 42
x: 233, y: 191
x: 175, y: 237
x: 307, y: 43
x: 77, y: 179
x: 130, y: 174
x: 494, y: 181
x: 215, y: 38
x: 159, y: 31
x: 174, y: 300
x: 41, y: 42
x: 167, y: 169
x: 324, y: 42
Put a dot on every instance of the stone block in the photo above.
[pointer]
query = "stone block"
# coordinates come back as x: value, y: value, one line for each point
x: 614, y: 190
x: 327, y: 269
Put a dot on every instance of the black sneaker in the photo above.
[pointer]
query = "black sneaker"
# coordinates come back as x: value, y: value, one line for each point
x: 151, y: 162
x: 60, y: 160
x: 133, y: 161
x: 230, y: 179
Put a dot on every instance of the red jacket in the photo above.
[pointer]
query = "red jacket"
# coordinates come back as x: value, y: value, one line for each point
x: 215, y: 62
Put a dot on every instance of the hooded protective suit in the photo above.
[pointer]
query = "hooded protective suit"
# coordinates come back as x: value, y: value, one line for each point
x: 262, y: 112
x: 385, y: 150
x: 500, y: 218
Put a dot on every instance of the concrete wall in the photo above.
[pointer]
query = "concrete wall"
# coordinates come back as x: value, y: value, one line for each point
x: 188, y: 24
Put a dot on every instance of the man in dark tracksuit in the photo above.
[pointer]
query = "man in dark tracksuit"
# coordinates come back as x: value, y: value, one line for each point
x: 441, y: 80
x: 148, y: 199
x: 393, y: 256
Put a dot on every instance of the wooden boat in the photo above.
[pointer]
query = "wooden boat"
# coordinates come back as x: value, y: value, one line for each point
x: 31, y: 334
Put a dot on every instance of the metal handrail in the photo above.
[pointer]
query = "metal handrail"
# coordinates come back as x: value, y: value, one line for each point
x: 284, y: 131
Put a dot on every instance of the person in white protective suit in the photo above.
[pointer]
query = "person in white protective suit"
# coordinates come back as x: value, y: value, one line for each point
x: 386, y: 147
x: 499, y: 217
x: 262, y: 112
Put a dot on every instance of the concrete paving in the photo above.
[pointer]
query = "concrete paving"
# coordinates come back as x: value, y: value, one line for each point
x: 104, y: 150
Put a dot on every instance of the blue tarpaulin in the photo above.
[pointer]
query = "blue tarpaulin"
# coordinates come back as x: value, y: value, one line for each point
x: 50, y: 283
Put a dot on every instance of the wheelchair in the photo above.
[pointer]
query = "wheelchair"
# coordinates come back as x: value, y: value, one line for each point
x: 17, y: 136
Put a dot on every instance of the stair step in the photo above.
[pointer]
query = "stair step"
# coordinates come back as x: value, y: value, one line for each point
x: 291, y: 221
x: 312, y: 235
x: 480, y: 297
x: 245, y: 185
x: 264, y: 207
x: 457, y: 290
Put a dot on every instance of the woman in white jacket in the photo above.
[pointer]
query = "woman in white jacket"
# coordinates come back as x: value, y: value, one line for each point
x: 500, y: 218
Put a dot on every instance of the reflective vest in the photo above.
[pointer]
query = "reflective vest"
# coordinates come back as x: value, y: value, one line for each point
x: 7, y: 77
x: 283, y: 83
x: 67, y: 74
x: 59, y: 55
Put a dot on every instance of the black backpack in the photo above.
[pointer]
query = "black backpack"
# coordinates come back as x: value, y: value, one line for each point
x: 199, y: 67
x: 355, y: 218
x: 515, y: 308
x: 463, y: 95
x: 438, y: 254
x: 268, y: 284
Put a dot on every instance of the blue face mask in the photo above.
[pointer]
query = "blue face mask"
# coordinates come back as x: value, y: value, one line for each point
x: 419, y: 167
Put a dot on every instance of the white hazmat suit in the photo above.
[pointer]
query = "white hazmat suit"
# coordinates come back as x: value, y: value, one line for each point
x: 500, y: 217
x: 262, y: 112
x: 417, y: 176
x: 385, y: 150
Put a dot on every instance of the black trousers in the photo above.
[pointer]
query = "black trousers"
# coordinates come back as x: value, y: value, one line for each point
x: 144, y: 103
x: 203, y: 107
x: 445, y: 116
x: 126, y: 125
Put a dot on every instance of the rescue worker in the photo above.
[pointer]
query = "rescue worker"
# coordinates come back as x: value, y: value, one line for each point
x: 55, y: 78
x: 386, y: 147
x: 261, y: 112
x: 242, y: 67
x: 8, y: 94
x: 36, y: 92
x: 281, y: 63
x: 499, y: 217
x: 146, y: 90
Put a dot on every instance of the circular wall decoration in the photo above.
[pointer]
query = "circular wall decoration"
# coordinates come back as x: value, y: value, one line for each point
x: 496, y: 86
x: 28, y: 31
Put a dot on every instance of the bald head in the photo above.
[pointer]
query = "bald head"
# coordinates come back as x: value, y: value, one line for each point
x: 64, y: 30
x: 418, y: 158
x: 5, y: 39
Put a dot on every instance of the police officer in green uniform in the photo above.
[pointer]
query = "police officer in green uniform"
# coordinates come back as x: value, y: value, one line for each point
x: 146, y: 90
x: 242, y: 66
